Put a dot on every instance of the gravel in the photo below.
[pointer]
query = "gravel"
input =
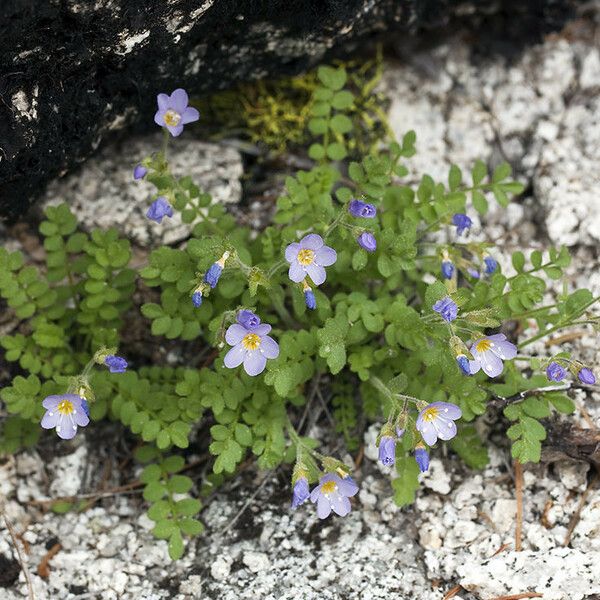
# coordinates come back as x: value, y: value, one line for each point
x: 540, y: 111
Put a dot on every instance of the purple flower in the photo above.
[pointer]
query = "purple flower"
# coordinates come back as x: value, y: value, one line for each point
x: 555, y: 372
x: 64, y: 413
x: 490, y: 264
x: 364, y: 210
x: 197, y: 298
x: 247, y: 319
x: 309, y: 296
x: 447, y: 309
x: 115, y: 364
x: 308, y: 257
x: 463, y: 364
x: 212, y: 275
x: 387, y: 451
x: 586, y: 376
x: 300, y: 492
x: 473, y: 273
x: 437, y: 421
x: 251, y: 346
x: 489, y: 352
x: 447, y: 269
x: 367, y: 241
x: 462, y: 223
x: 158, y: 209
x: 173, y: 112
x: 332, y: 493
x: 139, y: 172
x: 214, y: 272
x: 422, y: 458
x: 86, y: 408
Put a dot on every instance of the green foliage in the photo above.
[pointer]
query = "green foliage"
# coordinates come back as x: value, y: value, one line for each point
x: 163, y: 487
x: 373, y: 345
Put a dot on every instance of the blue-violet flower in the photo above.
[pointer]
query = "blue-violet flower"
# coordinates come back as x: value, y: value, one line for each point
x: 489, y: 352
x: 64, y: 413
x: 490, y: 264
x: 555, y: 372
x: 300, y: 492
x: 422, y: 457
x: 446, y: 308
x: 214, y: 272
x: 437, y: 421
x: 462, y: 223
x: 173, y: 111
x: 251, y: 346
x: 139, y: 172
x: 357, y: 208
x: 447, y: 269
x: 586, y: 376
x: 115, y: 364
x: 367, y: 241
x: 463, y: 364
x: 197, y: 298
x: 309, y: 296
x: 158, y: 209
x: 387, y: 451
x: 332, y: 493
x: 309, y: 257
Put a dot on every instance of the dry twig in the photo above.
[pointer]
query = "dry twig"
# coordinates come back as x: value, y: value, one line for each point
x: 519, y: 495
x: 43, y: 568
x: 22, y: 562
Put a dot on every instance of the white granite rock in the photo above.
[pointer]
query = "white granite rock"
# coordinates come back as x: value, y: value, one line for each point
x: 104, y: 194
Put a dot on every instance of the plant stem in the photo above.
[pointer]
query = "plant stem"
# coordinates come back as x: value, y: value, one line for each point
x: 542, y: 334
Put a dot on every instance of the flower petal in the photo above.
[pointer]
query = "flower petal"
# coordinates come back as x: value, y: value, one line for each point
x: 175, y: 131
x: 234, y: 334
x: 325, y: 256
x: 323, y: 507
x: 491, y: 364
x: 296, y: 272
x: 179, y: 100
x: 428, y: 432
x: 340, y: 504
x: 316, y: 273
x: 312, y: 241
x: 474, y: 366
x: 66, y: 429
x: 49, y: 421
x: 159, y: 118
x: 446, y: 428
x: 261, y: 329
x: 504, y: 349
x: 235, y: 357
x: 189, y: 115
x: 269, y: 347
x: 448, y: 410
x: 347, y: 486
x: 51, y: 402
x: 291, y: 252
x: 163, y: 102
x: 80, y: 418
x: 254, y: 363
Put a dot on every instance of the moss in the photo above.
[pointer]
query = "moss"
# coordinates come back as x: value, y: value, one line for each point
x: 275, y: 113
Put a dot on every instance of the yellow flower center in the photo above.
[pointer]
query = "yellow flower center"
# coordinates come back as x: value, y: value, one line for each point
x: 328, y: 487
x: 306, y: 257
x: 172, y: 118
x: 430, y: 414
x: 251, y: 341
x: 65, y: 407
x: 483, y: 345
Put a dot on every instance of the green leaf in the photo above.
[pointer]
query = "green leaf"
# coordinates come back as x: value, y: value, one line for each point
x: 342, y: 100
x: 407, y: 483
x: 187, y: 507
x: 518, y: 261
x: 478, y: 173
x: 154, y: 491
x: 336, y: 151
x: 340, y: 124
x: 332, y: 78
x: 316, y: 152
x: 176, y: 545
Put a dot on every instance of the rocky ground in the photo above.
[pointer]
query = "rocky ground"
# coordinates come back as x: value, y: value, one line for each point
x: 540, y: 109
